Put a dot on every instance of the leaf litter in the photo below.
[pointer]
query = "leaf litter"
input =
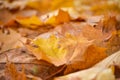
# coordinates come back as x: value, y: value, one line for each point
x: 59, y: 40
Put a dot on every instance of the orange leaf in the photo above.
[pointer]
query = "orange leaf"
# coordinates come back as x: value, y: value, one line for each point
x: 12, y: 73
x: 62, y: 16
x: 92, y: 34
x: 1, y: 22
x: 92, y: 55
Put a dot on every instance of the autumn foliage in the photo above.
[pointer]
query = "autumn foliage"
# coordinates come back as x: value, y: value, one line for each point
x: 59, y: 40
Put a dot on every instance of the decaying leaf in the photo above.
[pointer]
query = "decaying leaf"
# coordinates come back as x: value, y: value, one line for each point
x: 32, y: 66
x: 11, y: 72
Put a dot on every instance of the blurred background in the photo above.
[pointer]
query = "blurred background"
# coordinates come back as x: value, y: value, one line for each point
x: 40, y: 7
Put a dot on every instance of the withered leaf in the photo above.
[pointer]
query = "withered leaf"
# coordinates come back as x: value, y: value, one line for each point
x: 11, y: 40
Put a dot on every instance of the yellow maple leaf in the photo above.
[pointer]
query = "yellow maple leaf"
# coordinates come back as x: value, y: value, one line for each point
x: 30, y: 22
x: 60, y: 50
x: 50, y: 50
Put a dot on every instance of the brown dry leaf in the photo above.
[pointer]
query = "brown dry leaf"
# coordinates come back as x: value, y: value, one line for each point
x: 92, y: 55
x: 92, y: 34
x: 103, y: 31
x: 113, y: 44
x: 11, y: 23
x: 6, y: 16
x: 117, y: 71
x: 32, y: 22
x: 11, y: 72
x: 21, y: 56
x: 108, y: 25
x: 10, y: 39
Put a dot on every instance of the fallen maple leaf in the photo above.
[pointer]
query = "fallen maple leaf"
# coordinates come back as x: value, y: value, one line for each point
x: 49, y: 48
x: 108, y: 26
x: 30, y: 22
x: 60, y: 51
